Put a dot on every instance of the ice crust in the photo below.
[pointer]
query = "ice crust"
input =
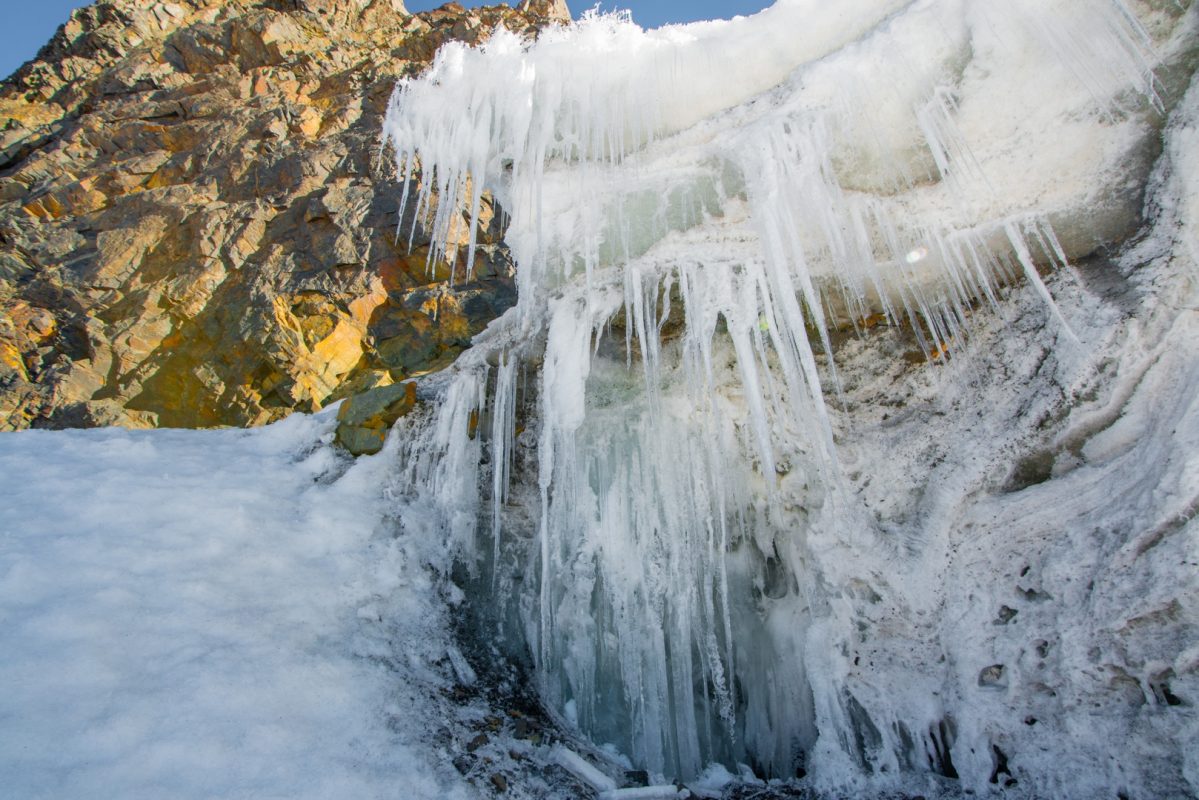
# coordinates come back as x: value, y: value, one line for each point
x: 709, y: 561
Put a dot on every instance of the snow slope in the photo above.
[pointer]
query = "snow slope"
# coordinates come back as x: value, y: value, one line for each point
x: 194, y: 614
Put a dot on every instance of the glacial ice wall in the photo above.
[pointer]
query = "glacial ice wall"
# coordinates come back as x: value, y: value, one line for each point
x: 684, y: 492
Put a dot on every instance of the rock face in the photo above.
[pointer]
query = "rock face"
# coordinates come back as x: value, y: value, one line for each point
x: 198, y: 226
x: 550, y: 9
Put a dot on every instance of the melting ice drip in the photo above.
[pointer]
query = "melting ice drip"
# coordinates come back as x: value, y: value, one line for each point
x: 692, y: 208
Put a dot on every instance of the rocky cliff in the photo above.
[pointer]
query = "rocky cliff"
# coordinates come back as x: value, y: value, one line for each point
x: 198, y: 226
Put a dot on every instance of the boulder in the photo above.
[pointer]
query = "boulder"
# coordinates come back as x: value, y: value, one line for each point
x: 364, y: 419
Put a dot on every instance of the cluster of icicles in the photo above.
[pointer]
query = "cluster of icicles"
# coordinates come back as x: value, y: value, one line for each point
x: 691, y: 210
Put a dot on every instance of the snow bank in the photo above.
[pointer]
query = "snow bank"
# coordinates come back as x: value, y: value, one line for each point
x: 211, y: 614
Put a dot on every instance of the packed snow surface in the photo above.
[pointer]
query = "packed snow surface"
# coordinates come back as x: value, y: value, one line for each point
x: 200, y: 614
x: 725, y: 532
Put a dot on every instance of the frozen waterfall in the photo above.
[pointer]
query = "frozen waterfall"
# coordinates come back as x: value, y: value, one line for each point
x: 640, y: 462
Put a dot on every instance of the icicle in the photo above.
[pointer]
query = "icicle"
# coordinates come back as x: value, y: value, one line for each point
x: 1030, y: 271
x: 503, y: 429
x: 780, y: 176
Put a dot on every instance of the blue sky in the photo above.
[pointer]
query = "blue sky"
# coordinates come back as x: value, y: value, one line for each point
x: 28, y: 24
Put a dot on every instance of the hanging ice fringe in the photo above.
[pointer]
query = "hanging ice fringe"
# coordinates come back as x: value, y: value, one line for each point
x: 693, y: 209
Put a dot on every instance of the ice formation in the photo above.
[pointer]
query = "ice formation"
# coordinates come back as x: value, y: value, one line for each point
x: 695, y: 212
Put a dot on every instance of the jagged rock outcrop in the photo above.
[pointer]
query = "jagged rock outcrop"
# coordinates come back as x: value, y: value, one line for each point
x: 550, y: 9
x: 198, y: 225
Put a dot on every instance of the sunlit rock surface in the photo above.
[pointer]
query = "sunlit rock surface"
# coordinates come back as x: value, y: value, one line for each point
x: 197, y: 227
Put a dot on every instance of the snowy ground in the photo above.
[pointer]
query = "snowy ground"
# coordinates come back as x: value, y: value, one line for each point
x: 197, y: 614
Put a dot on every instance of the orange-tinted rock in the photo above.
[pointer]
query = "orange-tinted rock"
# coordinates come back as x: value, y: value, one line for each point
x: 197, y: 225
